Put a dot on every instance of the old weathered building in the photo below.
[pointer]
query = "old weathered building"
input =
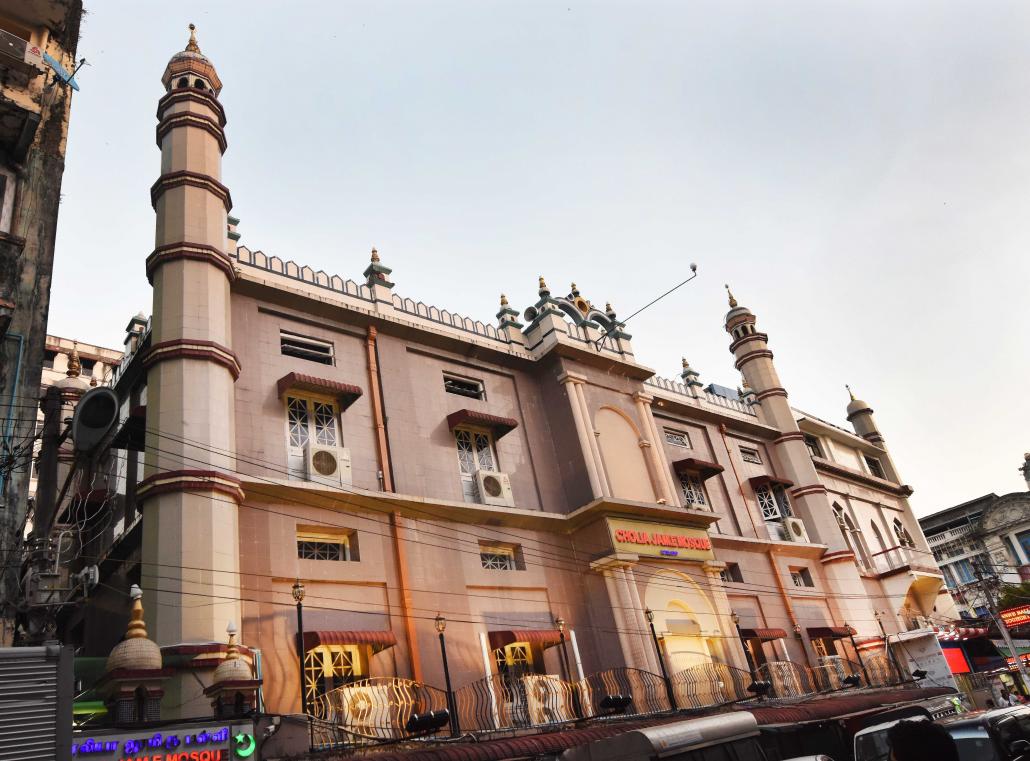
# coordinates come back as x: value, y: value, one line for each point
x: 37, y: 37
x: 528, y: 485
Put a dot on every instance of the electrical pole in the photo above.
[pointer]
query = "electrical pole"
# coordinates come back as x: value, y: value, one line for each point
x: 993, y: 610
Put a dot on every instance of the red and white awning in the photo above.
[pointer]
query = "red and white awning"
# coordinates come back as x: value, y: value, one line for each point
x: 960, y: 633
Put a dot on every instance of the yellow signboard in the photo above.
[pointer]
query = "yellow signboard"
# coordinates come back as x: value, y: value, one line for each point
x: 660, y: 540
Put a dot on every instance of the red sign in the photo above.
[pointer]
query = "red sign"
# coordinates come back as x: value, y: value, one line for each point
x: 663, y: 540
x: 1013, y: 617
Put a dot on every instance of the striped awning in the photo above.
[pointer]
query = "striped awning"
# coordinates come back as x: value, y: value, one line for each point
x: 545, y: 638
x: 377, y: 640
x: 958, y: 633
x: 345, y: 393
x: 830, y: 632
x: 763, y: 634
x: 766, y: 480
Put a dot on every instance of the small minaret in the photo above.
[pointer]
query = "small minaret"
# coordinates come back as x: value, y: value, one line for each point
x: 860, y: 415
x: 190, y: 494
x: 1025, y: 469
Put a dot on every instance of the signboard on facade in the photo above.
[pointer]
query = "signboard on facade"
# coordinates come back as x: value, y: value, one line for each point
x: 197, y: 743
x: 1014, y: 617
x: 660, y: 540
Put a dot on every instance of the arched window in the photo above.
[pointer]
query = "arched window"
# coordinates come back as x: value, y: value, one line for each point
x: 904, y: 538
x: 878, y: 535
x: 852, y: 535
x: 201, y: 84
x: 183, y: 82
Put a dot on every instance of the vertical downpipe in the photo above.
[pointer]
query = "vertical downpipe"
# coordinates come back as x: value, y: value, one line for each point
x: 386, y: 468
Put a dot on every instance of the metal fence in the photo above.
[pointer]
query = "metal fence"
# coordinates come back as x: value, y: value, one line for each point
x: 646, y: 692
x: 710, y: 684
x: 375, y: 709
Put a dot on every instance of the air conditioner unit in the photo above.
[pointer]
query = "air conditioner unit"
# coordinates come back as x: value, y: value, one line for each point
x: 795, y: 530
x: 328, y: 465
x: 494, y: 488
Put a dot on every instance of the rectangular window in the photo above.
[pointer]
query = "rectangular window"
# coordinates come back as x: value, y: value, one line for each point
x: 814, y: 448
x: 473, y: 389
x: 677, y: 438
x: 875, y: 467
x: 731, y: 573
x: 801, y: 577
x: 693, y: 490
x: 774, y: 503
x: 302, y: 347
x: 324, y: 545
x: 48, y: 359
x: 750, y: 455
x: 475, y: 452
x: 501, y: 557
x: 327, y: 667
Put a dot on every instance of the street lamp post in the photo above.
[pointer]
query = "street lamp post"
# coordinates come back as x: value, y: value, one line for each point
x: 743, y: 644
x: 298, y: 596
x: 851, y: 636
x: 441, y: 624
x: 560, y: 623
x: 649, y: 614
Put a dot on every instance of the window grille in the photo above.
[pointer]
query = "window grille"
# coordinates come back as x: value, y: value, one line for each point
x: 814, y: 448
x: 475, y: 452
x: 323, y: 550
x: 875, y: 466
x: 498, y: 560
x: 693, y: 490
x: 325, y: 424
x: 302, y: 347
x: 473, y: 389
x: 297, y: 416
x: 801, y: 577
x: 767, y: 504
x: 731, y: 573
x: 750, y: 455
x: 677, y: 438
x: 327, y: 667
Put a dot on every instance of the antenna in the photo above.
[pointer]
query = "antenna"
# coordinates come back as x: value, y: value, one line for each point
x: 607, y: 333
x: 62, y: 73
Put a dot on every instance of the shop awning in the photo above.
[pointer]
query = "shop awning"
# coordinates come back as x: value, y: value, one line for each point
x: 345, y: 393
x: 763, y: 634
x: 703, y: 468
x: 375, y: 639
x: 830, y: 632
x: 1022, y: 645
x: 958, y: 633
x: 766, y: 480
x: 499, y: 425
x: 545, y: 638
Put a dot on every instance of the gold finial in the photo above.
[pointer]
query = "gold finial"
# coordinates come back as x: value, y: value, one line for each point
x: 192, y: 45
x: 543, y: 285
x: 74, y: 366
x: 608, y: 306
x: 93, y: 381
x: 850, y: 392
x: 733, y: 301
x: 137, y: 629
x: 504, y: 300
x: 232, y: 651
x: 375, y: 254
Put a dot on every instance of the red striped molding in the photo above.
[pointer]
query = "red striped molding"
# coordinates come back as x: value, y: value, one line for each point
x: 193, y: 348
x: 202, y: 252
x: 194, y: 179
x: 190, y: 481
x: 190, y: 119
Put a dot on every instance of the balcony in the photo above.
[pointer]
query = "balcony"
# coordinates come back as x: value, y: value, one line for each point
x: 897, y: 559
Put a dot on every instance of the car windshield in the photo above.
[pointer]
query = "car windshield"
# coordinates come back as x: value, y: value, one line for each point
x: 872, y: 746
x: 973, y: 744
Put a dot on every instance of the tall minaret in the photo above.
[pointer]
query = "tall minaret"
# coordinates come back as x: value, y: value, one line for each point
x: 860, y: 415
x: 808, y: 496
x: 190, y: 495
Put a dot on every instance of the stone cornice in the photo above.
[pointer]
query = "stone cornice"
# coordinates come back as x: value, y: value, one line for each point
x: 189, y: 119
x: 192, y: 481
x: 901, y: 490
x: 195, y: 251
x: 195, y: 179
x: 195, y: 95
x: 193, y: 348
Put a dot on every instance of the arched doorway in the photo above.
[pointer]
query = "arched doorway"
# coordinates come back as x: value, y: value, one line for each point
x: 685, y: 619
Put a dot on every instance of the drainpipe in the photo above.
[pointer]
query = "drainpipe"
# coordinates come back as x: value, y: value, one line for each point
x: 786, y: 603
x: 736, y: 475
x: 386, y: 481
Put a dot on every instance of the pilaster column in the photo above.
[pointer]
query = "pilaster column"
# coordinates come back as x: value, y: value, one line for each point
x: 655, y: 452
x: 585, y: 433
x: 620, y: 598
x: 732, y: 651
x: 639, y: 620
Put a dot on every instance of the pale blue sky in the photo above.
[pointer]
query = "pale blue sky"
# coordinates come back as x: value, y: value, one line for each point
x: 859, y: 172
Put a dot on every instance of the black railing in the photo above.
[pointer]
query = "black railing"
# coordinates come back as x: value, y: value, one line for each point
x: 643, y: 693
x: 710, y: 684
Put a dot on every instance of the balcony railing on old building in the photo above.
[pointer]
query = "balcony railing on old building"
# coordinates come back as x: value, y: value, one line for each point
x: 380, y: 710
x: 903, y: 558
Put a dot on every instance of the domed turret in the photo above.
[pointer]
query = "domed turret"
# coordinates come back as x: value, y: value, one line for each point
x: 233, y: 668
x: 190, y: 68
x: 856, y: 406
x: 136, y: 652
x: 233, y: 689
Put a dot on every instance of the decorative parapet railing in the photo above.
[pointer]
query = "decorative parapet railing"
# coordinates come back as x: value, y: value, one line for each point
x: 303, y: 273
x: 450, y: 319
x: 646, y: 692
x: 373, y: 710
x: 705, y: 397
x: 832, y: 673
x: 883, y: 671
x: 710, y: 684
x: 788, y: 680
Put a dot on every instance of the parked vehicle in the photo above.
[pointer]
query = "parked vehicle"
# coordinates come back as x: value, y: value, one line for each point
x: 1001, y: 734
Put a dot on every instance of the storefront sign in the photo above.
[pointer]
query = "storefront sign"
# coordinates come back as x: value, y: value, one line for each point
x: 1013, y: 617
x: 222, y: 743
x: 660, y: 540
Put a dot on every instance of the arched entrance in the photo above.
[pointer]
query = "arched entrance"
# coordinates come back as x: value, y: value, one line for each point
x: 684, y: 619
